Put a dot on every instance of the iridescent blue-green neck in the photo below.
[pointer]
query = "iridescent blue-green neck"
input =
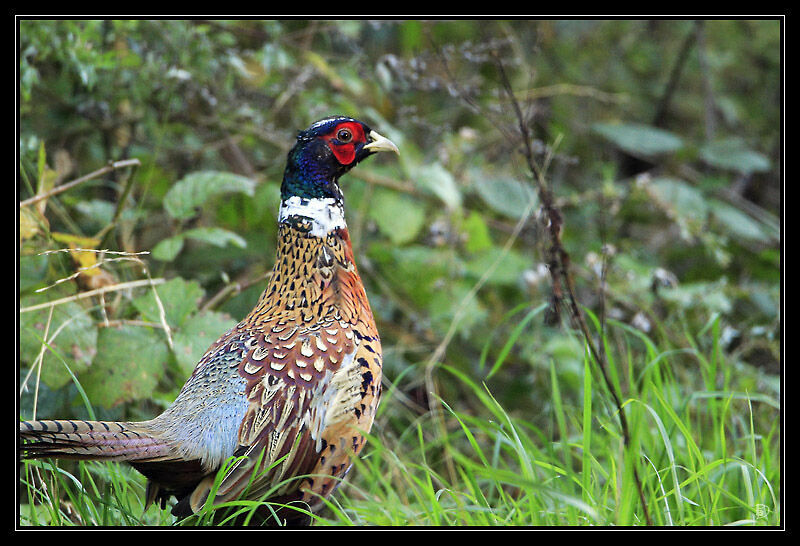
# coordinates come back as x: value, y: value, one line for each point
x: 311, y: 172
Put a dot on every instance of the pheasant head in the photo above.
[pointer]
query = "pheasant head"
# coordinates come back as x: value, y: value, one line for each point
x: 324, y: 152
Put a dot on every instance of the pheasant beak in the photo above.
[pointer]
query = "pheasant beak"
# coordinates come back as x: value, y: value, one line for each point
x: 379, y: 143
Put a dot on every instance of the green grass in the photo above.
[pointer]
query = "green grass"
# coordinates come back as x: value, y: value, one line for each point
x: 706, y: 447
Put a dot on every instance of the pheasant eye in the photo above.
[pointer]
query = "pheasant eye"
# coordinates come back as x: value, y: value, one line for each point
x: 344, y: 135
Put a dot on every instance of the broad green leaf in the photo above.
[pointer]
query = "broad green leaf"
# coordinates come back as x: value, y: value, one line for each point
x: 680, y: 197
x: 75, y: 344
x: 32, y: 271
x: 437, y: 180
x: 179, y: 298
x: 507, y: 196
x: 196, y: 336
x: 478, y: 237
x: 167, y: 249
x: 195, y: 189
x: 733, y: 154
x: 398, y: 216
x: 684, y: 204
x: 639, y: 139
x: 740, y: 224
x: 129, y: 363
x: 216, y: 236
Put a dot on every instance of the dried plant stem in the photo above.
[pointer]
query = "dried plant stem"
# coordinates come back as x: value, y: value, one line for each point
x: 231, y: 289
x: 47, y: 339
x: 559, y: 264
x: 86, y: 268
x: 574, y: 90
x: 64, y: 187
x: 439, y: 352
x: 39, y: 359
x: 90, y: 293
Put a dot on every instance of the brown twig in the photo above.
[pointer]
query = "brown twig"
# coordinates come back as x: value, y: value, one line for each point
x: 387, y: 182
x: 64, y: 187
x: 232, y: 289
x: 90, y: 293
x: 586, y: 91
x: 675, y: 75
x: 558, y: 261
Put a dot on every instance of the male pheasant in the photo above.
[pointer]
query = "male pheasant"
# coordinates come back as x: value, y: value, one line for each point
x: 291, y: 389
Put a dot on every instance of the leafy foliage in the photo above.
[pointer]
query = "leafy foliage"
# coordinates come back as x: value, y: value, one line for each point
x: 129, y: 363
x: 660, y: 140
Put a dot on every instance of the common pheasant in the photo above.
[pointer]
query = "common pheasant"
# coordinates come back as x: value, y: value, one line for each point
x: 292, y: 388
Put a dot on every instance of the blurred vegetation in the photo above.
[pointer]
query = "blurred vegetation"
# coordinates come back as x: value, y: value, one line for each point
x: 661, y: 141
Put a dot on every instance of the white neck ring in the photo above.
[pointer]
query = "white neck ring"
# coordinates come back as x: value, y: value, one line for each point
x: 325, y: 214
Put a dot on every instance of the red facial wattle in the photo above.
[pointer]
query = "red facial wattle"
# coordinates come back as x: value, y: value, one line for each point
x: 345, y: 148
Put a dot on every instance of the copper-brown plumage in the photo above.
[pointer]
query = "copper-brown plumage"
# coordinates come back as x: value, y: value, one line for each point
x: 291, y: 389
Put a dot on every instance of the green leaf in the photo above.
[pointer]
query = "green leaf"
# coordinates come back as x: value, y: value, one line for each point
x: 196, y: 336
x: 411, y: 36
x: 639, y: 139
x: 75, y: 344
x: 740, y: 224
x: 129, y: 363
x: 179, y: 298
x: 398, y: 216
x: 167, y: 249
x: 683, y: 203
x: 509, y: 268
x: 681, y: 198
x: 437, y: 180
x: 507, y: 196
x: 705, y: 295
x: 195, y: 189
x: 733, y: 154
x: 32, y: 272
x: 478, y: 237
x: 416, y: 270
x: 96, y: 210
x: 216, y: 236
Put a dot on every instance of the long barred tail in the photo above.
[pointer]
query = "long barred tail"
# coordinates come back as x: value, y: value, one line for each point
x: 76, y: 439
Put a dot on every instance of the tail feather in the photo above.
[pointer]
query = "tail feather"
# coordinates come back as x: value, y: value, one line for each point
x: 76, y: 439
